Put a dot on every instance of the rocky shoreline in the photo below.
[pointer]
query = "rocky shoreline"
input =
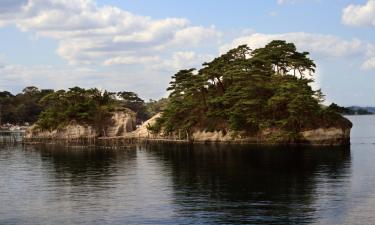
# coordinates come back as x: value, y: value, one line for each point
x: 122, y: 129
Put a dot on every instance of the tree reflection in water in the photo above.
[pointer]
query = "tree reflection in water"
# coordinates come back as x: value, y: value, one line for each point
x: 251, y: 184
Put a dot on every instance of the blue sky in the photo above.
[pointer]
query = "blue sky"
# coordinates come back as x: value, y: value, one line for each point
x: 137, y: 45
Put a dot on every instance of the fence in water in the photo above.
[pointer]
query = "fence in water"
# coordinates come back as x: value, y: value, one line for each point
x: 103, y: 142
x: 8, y: 136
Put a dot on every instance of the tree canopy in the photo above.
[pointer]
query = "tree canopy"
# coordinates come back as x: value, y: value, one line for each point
x: 247, y: 90
x: 89, y: 106
x: 51, y: 109
x: 23, y: 107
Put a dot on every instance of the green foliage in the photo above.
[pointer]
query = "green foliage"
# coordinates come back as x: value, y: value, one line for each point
x: 353, y: 110
x: 153, y: 107
x: 131, y: 101
x: 89, y: 106
x: 52, y: 109
x: 23, y: 107
x: 338, y: 109
x: 363, y: 112
x: 247, y: 90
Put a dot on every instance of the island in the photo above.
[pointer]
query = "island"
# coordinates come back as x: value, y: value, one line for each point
x: 260, y: 96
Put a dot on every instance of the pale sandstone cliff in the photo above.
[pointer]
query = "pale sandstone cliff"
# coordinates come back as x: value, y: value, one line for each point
x: 320, y: 136
x: 142, y: 131
x: 123, y: 124
x: 331, y: 135
x: 71, y: 131
x: 120, y: 124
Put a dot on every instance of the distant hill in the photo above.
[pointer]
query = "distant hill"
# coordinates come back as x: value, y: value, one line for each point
x: 360, y: 110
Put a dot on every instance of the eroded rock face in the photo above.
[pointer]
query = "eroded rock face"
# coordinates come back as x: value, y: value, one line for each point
x: 211, y: 136
x: 339, y: 135
x: 119, y: 124
x: 72, y: 131
x: 330, y: 136
x: 142, y: 131
x: 123, y: 123
x: 321, y: 136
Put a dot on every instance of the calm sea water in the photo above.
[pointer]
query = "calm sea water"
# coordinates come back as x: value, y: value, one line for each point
x: 192, y: 185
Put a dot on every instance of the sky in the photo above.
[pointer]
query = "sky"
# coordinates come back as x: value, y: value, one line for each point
x: 137, y: 45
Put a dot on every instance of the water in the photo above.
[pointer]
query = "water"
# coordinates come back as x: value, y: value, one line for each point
x: 200, y: 185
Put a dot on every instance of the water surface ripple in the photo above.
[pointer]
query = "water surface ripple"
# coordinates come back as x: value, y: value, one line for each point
x: 201, y: 184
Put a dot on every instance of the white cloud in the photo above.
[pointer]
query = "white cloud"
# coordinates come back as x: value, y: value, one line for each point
x: 15, y: 77
x: 184, y: 60
x: 273, y: 13
x: 319, y: 45
x: 90, y: 34
x: 195, y: 35
x: 181, y: 60
x: 359, y: 15
x: 8, y: 9
x: 280, y: 2
x: 127, y: 60
x: 104, y: 36
x: 324, y: 45
x: 369, y: 64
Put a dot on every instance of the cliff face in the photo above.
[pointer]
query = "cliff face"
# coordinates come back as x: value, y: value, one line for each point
x: 120, y: 124
x: 321, y: 136
x: 142, y: 130
x: 332, y: 135
x: 327, y: 136
x: 124, y: 124
x: 71, y: 131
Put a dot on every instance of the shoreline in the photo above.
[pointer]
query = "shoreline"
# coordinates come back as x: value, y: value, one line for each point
x: 120, y: 142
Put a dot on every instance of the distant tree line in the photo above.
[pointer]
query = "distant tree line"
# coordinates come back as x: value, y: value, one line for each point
x: 350, y: 110
x: 247, y: 90
x: 22, y: 107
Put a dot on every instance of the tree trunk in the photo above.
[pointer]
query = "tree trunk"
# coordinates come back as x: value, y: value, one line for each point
x: 221, y: 85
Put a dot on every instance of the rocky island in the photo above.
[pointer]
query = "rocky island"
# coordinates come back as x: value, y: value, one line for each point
x: 260, y: 96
